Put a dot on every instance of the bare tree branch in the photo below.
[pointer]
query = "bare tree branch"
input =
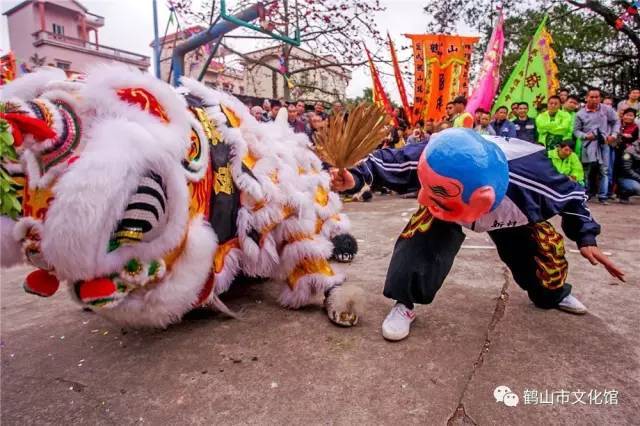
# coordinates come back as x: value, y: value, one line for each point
x: 334, y: 28
x: 609, y: 17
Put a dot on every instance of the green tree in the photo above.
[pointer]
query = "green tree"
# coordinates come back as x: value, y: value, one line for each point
x: 367, y: 96
x: 590, y: 50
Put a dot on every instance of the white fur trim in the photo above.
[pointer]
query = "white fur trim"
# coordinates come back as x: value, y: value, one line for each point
x: 23, y: 226
x: 306, y: 288
x: 293, y: 253
x: 31, y: 85
x: 177, y: 292
x: 231, y: 267
x: 32, y: 168
x: 100, y: 96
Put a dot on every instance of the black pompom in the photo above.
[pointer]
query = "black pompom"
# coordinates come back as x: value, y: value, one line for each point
x: 345, y: 248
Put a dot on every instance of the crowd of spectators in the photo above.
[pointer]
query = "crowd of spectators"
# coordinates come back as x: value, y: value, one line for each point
x: 300, y: 118
x: 594, y: 142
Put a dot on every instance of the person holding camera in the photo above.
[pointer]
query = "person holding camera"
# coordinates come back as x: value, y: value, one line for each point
x: 598, y: 126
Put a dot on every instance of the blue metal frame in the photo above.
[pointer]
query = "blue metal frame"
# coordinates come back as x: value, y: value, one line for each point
x: 214, y: 32
x: 218, y: 30
x: 285, y: 38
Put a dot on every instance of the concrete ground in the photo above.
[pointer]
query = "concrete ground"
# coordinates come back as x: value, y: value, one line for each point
x: 61, y: 365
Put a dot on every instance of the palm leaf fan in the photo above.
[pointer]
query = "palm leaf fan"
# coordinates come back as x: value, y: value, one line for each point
x: 348, y: 138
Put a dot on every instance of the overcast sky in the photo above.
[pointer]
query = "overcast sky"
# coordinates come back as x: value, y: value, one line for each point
x: 129, y: 26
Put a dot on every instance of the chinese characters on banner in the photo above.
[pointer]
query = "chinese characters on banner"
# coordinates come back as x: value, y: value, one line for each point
x: 441, y: 72
x: 535, y: 77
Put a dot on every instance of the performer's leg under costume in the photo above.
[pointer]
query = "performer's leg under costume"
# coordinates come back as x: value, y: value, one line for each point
x: 424, y: 254
x: 535, y: 255
x: 422, y: 258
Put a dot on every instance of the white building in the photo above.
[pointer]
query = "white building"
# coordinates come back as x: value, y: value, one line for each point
x: 246, y: 76
x: 63, y: 34
x: 326, y: 83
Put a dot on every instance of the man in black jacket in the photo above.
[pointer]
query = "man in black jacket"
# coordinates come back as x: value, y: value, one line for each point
x: 525, y: 126
x: 629, y: 173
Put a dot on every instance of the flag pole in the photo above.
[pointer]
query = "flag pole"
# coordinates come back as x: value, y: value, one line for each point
x: 156, y: 41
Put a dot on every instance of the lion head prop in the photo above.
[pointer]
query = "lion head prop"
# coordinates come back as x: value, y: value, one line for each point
x: 148, y: 201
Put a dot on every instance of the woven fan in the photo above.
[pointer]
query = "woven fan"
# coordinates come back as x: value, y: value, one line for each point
x: 344, y: 142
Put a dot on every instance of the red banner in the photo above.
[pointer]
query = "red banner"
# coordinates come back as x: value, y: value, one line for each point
x: 379, y: 96
x: 441, y: 72
x: 400, y: 82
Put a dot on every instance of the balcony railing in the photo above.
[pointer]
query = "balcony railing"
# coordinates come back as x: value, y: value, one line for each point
x: 95, y: 20
x: 42, y: 37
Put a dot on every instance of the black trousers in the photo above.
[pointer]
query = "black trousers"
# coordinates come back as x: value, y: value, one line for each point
x: 425, y: 250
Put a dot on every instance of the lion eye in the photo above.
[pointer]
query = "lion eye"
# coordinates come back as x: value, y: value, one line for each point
x: 145, y: 214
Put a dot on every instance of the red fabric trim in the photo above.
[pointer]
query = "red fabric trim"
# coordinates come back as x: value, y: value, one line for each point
x: 145, y: 100
x: 205, y: 292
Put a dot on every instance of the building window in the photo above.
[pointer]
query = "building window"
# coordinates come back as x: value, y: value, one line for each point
x: 63, y: 65
x: 58, y: 29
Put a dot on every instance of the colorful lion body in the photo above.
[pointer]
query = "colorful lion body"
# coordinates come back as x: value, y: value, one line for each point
x: 149, y: 200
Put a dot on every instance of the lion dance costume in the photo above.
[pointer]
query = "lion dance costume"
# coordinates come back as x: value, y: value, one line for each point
x: 148, y: 200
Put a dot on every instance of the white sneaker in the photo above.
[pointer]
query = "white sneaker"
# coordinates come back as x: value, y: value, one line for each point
x: 572, y: 305
x: 397, y: 324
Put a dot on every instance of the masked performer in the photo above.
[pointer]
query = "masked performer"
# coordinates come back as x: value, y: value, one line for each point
x: 505, y: 187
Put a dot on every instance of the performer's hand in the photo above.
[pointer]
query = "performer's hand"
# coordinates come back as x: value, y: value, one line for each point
x: 341, y: 180
x: 595, y: 256
x: 611, y: 139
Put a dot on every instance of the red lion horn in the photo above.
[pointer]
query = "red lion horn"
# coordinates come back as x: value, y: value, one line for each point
x: 22, y: 124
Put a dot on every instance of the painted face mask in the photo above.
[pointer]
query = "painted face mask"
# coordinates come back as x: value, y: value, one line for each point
x: 462, y: 176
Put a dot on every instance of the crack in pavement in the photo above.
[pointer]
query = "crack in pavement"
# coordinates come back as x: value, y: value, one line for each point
x: 460, y: 416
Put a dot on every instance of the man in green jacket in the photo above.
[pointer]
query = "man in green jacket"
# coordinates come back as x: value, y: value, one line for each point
x: 554, y: 125
x: 566, y: 162
x: 462, y: 117
x: 571, y: 106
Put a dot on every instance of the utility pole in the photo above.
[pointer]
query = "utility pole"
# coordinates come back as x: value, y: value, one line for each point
x: 156, y: 41
x: 285, y: 53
